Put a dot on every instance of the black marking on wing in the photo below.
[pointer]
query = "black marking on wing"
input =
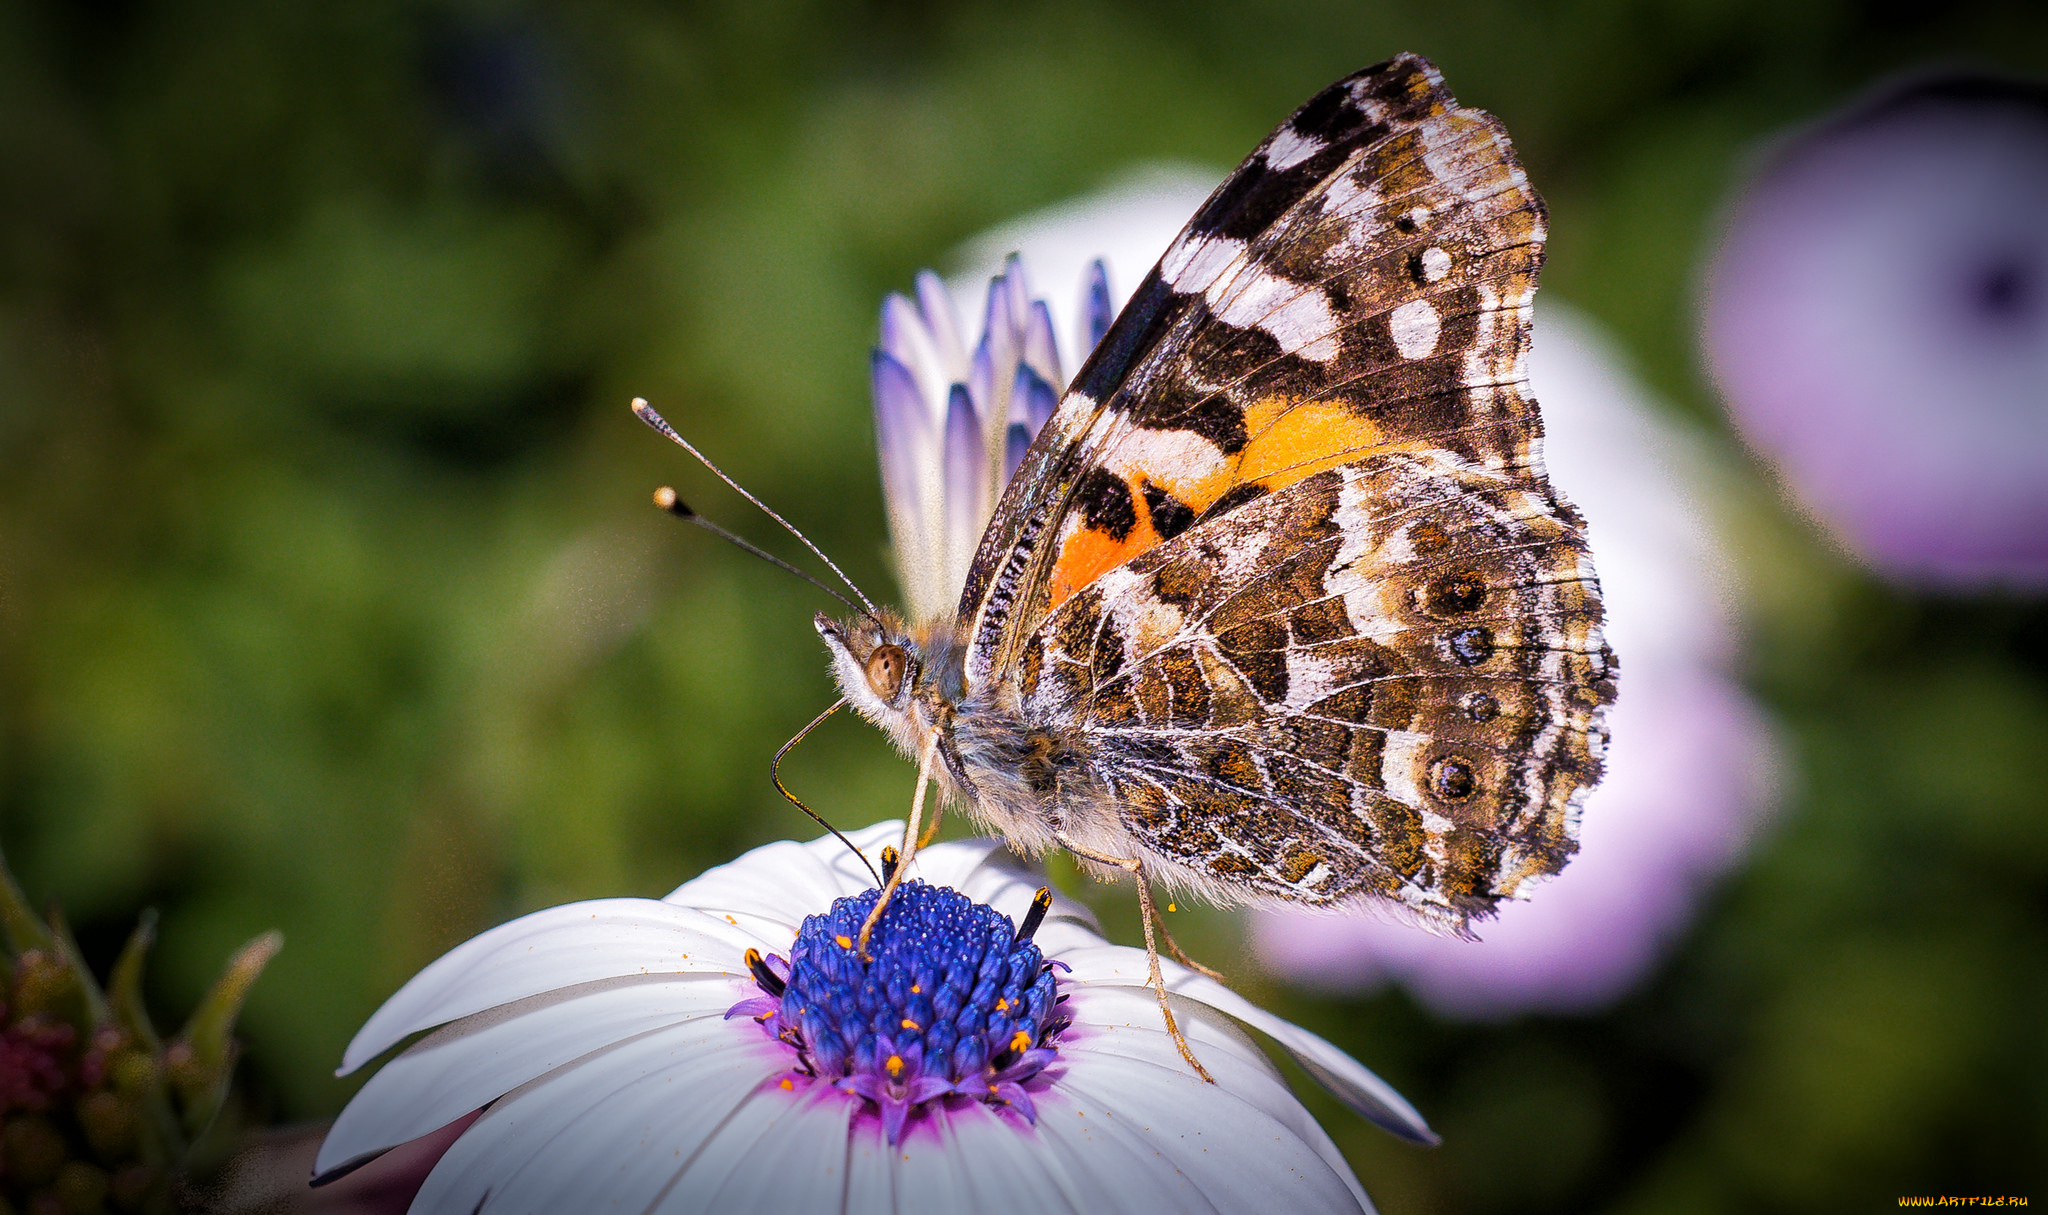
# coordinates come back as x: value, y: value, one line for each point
x: 1170, y: 517
x: 1105, y: 502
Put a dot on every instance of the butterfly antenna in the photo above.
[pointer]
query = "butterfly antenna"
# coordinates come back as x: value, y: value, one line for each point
x: 646, y: 413
x: 666, y: 499
x: 775, y: 774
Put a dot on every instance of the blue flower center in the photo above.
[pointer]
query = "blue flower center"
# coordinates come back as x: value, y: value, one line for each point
x: 952, y: 1002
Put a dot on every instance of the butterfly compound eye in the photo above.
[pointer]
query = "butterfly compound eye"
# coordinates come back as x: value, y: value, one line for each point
x: 885, y: 670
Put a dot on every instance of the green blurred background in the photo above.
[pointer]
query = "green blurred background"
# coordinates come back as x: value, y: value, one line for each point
x: 330, y: 598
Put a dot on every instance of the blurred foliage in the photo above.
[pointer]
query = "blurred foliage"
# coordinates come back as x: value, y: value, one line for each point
x: 330, y: 599
x: 98, y: 1112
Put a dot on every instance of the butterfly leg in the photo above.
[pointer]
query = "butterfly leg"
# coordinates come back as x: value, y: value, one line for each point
x: 1180, y: 955
x: 1136, y: 868
x: 911, y: 843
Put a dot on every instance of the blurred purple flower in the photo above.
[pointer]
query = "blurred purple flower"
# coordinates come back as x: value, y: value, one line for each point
x: 1877, y: 319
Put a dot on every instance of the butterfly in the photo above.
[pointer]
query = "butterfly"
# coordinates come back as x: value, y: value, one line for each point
x: 1279, y: 606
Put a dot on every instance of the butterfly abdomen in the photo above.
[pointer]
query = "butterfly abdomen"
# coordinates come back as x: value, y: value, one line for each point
x: 1023, y: 779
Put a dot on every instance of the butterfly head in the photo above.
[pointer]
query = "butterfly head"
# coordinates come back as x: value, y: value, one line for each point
x: 877, y: 663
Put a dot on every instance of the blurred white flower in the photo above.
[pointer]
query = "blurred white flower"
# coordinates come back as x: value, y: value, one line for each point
x: 1688, y: 760
x: 1877, y: 320
x: 952, y: 421
x: 646, y: 1055
x: 951, y: 427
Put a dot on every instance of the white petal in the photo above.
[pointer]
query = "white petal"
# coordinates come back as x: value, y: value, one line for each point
x: 1008, y: 884
x: 966, y: 1159
x: 777, y: 1152
x: 608, y: 1132
x: 1344, y: 1076
x: 956, y: 863
x: 769, y: 890
x: 994, y: 365
x: 471, y: 1063
x: 775, y: 886
x: 975, y: 1159
x: 1180, y: 1149
x: 970, y: 484
x: 1125, y: 1081
x: 558, y: 947
x: 944, y: 320
x: 909, y: 340
x: 1040, y: 351
x: 904, y: 439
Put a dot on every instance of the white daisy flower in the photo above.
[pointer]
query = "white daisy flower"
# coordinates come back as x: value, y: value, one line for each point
x: 723, y: 1049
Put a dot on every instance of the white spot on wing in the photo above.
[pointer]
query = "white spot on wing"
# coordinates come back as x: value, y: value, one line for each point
x: 1435, y: 263
x: 1244, y: 295
x: 1414, y: 327
x: 1074, y: 414
x: 1195, y: 266
x: 1351, y: 195
x: 1398, y: 763
x: 1169, y: 456
x: 1289, y: 148
x: 1299, y: 318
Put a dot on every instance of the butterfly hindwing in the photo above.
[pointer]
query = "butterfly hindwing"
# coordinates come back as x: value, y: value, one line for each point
x: 1379, y: 681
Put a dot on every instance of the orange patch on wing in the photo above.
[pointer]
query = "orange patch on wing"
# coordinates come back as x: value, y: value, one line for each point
x: 1088, y: 554
x: 1291, y: 441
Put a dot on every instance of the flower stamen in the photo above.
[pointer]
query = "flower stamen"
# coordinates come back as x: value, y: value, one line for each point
x: 1040, y: 904
x: 770, y: 982
x: 951, y: 1003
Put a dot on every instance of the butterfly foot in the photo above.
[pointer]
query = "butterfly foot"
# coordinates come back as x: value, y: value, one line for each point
x: 1179, y: 1039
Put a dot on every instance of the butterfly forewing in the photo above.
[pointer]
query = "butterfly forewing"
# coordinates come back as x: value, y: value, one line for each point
x: 1361, y: 282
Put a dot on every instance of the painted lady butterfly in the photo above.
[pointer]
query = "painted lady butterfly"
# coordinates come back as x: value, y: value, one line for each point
x: 1280, y: 605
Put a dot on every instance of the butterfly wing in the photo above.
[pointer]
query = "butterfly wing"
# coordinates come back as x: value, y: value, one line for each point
x: 1285, y: 560
x: 1361, y: 283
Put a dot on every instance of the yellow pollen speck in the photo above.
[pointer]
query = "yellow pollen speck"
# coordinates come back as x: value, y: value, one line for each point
x: 1003, y: 1005
x: 788, y: 1085
x: 731, y: 921
x: 910, y: 1024
x: 845, y: 942
x: 1020, y: 1041
x: 1171, y: 907
x: 894, y: 1066
x: 916, y: 989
